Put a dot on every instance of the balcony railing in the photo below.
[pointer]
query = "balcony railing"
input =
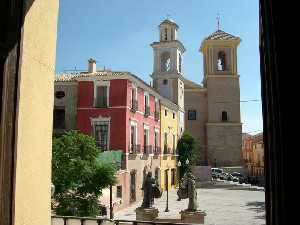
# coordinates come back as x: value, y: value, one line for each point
x: 101, y: 145
x: 147, y: 111
x: 156, y: 150
x: 156, y: 115
x: 175, y: 151
x: 147, y: 149
x: 166, y: 149
x: 135, y: 149
x: 134, y: 105
x: 100, y: 103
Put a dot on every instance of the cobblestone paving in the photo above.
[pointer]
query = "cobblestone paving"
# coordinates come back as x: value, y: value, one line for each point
x: 222, y: 206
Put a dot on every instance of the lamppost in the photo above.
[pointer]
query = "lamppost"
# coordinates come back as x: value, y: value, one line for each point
x: 178, y: 176
x: 111, y: 215
x: 167, y: 183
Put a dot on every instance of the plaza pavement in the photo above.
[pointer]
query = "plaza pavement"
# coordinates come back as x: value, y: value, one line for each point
x: 224, y: 206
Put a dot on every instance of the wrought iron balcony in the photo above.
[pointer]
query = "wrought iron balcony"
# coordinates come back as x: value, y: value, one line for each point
x: 100, y: 103
x: 134, y: 105
x: 147, y: 111
x: 166, y: 149
x: 135, y: 149
x: 147, y: 149
x: 156, y: 115
x: 175, y: 151
x: 156, y: 150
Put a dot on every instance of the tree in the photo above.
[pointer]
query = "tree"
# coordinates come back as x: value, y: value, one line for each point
x: 187, y: 150
x: 78, y: 176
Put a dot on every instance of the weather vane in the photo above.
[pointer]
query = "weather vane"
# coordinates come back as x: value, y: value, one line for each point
x: 218, y: 20
x: 168, y: 16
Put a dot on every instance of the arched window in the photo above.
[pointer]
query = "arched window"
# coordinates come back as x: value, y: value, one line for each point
x: 165, y: 62
x: 166, y: 34
x: 180, y: 63
x: 224, y: 116
x: 221, y: 61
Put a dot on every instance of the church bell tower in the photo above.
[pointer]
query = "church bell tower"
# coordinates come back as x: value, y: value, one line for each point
x: 221, y: 79
x: 167, y: 68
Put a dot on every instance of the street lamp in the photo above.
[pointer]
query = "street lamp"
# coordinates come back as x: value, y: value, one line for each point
x: 187, y: 161
x: 187, y: 165
x: 178, y: 169
x: 167, y: 183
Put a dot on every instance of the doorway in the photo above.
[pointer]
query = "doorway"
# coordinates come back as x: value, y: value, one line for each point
x: 133, y: 186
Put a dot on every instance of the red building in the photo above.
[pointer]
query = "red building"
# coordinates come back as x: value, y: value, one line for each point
x: 119, y: 112
x: 122, y: 113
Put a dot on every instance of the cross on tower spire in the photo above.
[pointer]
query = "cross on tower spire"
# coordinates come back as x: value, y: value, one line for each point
x: 218, y: 20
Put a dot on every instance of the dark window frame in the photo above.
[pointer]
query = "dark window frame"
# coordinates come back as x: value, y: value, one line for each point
x: 119, y: 191
x: 194, y: 116
x: 224, y: 116
x: 59, y: 118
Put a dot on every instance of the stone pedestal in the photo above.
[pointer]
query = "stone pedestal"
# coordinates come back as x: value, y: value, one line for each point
x: 146, y: 214
x: 193, y: 216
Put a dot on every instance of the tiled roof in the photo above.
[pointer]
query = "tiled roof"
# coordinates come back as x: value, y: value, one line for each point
x: 73, y: 76
x: 108, y: 73
x: 221, y: 35
x: 169, y: 21
x: 258, y: 137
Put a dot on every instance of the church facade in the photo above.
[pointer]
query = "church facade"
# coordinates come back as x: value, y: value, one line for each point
x: 209, y: 111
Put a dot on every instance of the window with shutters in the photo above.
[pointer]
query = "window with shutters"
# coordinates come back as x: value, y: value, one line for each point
x: 101, y: 100
x: 101, y: 134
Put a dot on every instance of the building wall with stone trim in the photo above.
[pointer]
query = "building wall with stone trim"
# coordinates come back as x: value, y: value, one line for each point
x: 197, y: 100
x: 68, y: 102
x: 224, y: 144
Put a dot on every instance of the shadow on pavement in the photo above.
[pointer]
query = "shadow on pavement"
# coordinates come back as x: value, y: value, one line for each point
x: 258, y: 207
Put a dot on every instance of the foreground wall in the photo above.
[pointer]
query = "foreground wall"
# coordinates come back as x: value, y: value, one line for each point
x: 34, y: 114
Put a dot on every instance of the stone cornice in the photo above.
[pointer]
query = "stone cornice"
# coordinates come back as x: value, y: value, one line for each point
x: 195, y: 89
x: 222, y: 76
x: 169, y: 44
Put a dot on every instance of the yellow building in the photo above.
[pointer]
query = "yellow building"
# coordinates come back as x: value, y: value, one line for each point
x: 168, y: 139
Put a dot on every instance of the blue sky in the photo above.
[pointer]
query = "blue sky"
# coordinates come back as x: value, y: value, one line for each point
x: 118, y: 34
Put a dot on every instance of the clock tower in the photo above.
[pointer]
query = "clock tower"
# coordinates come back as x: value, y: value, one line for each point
x: 167, y: 68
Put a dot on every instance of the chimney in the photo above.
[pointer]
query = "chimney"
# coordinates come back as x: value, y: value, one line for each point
x: 92, y: 65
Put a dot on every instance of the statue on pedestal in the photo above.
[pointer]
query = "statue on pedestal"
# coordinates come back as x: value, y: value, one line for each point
x: 187, y: 189
x: 151, y: 191
x: 192, y: 192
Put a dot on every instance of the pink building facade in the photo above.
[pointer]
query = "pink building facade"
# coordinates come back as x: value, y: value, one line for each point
x: 122, y: 113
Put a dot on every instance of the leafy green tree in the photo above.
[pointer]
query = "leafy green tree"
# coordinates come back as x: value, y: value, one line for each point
x: 78, y: 176
x: 187, y: 151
